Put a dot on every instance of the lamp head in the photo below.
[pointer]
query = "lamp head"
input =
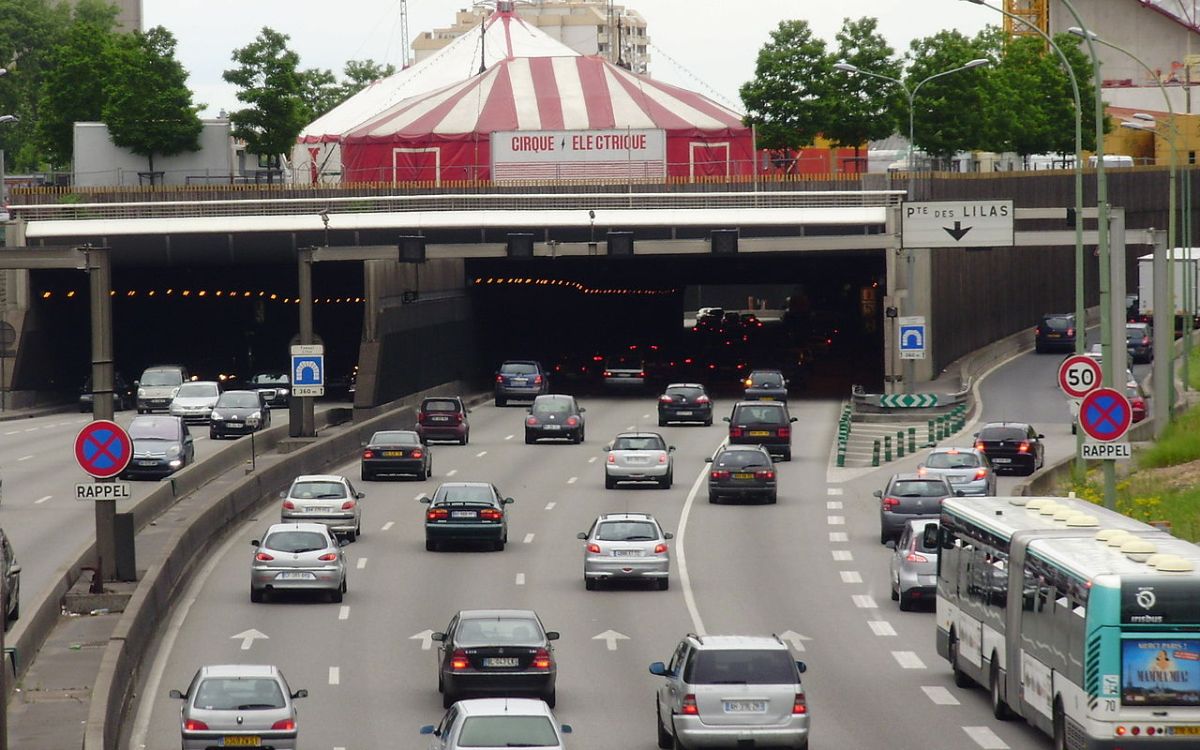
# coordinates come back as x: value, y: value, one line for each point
x: 1144, y: 116
x: 9, y: 118
x: 1077, y: 31
x: 845, y: 67
x: 977, y: 62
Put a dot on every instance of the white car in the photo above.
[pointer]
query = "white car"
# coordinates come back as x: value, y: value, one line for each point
x: 639, y: 457
x: 324, y: 498
x: 194, y: 401
x: 497, y: 722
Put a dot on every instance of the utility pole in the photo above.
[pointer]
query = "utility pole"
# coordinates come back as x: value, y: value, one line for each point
x: 404, y: 34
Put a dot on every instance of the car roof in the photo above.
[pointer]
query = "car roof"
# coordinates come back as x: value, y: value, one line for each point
x: 297, y: 526
x: 240, y: 392
x: 739, y: 642
x: 1021, y: 425
x: 686, y: 385
x: 638, y: 434
x: 407, y: 433
x: 520, y: 362
x: 486, y: 614
x: 203, y: 382
x: 1058, y: 315
x: 914, y: 477
x: 735, y: 447
x: 503, y: 706
x: 773, y: 404
x: 775, y: 370
x: 464, y: 484
x: 952, y: 449
x: 157, y: 418
x: 626, y: 517
x: 319, y: 478
x: 441, y: 398
x: 239, y: 670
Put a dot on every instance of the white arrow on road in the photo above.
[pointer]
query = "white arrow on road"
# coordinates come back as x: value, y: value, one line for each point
x: 248, y: 637
x: 425, y: 637
x: 794, y: 638
x: 610, y: 637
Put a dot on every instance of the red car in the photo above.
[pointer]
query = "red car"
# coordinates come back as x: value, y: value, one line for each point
x: 443, y: 418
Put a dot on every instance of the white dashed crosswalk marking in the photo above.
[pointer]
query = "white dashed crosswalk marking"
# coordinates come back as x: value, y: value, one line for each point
x: 940, y: 695
x: 985, y: 738
x: 908, y: 659
x: 882, y: 628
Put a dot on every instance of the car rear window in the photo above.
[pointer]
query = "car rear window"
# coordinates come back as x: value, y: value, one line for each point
x: 1136, y: 332
x: 395, y: 437
x: 295, y: 541
x: 767, y: 379
x: 238, y: 694
x: 762, y: 414
x: 918, y: 488
x: 626, y: 531
x: 507, y: 731
x: 551, y: 406
x: 197, y: 390
x: 1058, y: 324
x: 741, y: 667
x: 270, y: 379
x: 442, y: 405
x: 314, y: 490
x: 1003, y: 433
x: 952, y: 461
x: 741, y: 459
x: 647, y: 443
x: 498, y: 631
x: 518, y: 368
x: 464, y: 494
x: 692, y: 393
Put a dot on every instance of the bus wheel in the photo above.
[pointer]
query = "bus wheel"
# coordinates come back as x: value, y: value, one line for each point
x: 1060, y: 726
x: 999, y: 708
x: 961, y: 679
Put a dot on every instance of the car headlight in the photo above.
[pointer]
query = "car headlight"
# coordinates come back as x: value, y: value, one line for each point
x: 141, y: 392
x: 174, y: 391
x: 216, y: 414
x: 174, y: 450
x: 254, y: 418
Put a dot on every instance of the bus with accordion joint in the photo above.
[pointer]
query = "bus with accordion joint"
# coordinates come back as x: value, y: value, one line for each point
x: 1082, y: 621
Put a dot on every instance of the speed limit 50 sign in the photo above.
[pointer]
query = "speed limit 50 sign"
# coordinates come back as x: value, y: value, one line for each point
x: 1079, y: 375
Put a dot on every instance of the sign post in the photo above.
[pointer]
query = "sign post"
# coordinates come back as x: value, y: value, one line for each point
x: 103, y: 449
x: 1105, y: 416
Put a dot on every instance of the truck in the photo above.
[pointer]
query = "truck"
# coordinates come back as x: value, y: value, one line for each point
x: 1186, y: 262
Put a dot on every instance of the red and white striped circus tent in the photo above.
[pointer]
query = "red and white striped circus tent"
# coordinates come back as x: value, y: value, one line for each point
x: 503, y: 36
x: 539, y: 118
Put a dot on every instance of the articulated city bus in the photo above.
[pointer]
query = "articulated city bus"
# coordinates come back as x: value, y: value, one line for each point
x: 1082, y: 621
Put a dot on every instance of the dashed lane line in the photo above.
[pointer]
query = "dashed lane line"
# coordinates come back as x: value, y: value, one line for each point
x: 452, y: 472
x: 985, y: 738
x: 388, y: 525
x: 864, y: 601
x: 833, y: 490
x: 572, y: 480
x: 480, y: 454
x: 833, y: 505
x: 12, y: 432
x: 335, y: 676
x: 520, y: 579
x: 344, y: 612
x: 418, y: 496
x: 908, y: 659
x: 592, y: 460
x: 940, y: 695
x: 25, y: 458
x: 839, y: 536
x: 837, y: 520
x: 550, y: 505
x: 362, y: 563
x: 882, y: 628
x: 529, y: 538
x: 842, y: 555
x: 851, y: 576
x: 509, y: 437
x: 41, y: 500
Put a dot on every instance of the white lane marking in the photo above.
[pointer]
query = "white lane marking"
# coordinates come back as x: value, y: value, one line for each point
x: 908, y: 659
x: 509, y: 437
x: 940, y: 695
x: 631, y: 427
x: 25, y: 458
x: 529, y: 538
x: 388, y: 525
x: 480, y: 454
x: 41, y: 500
x: 344, y: 612
x: 985, y: 738
x: 842, y: 555
x: 572, y: 480
x: 141, y: 724
x: 335, y: 676
x: 362, y: 563
x: 851, y: 576
x: 12, y: 432
x: 833, y: 505
x: 418, y: 496
x: 833, y: 491
x: 882, y: 628
x: 645, y: 416
x: 839, y: 536
x: 685, y: 579
x: 452, y: 472
x: 864, y: 601
x: 837, y: 520
x: 520, y: 579
x: 592, y: 460
x: 550, y: 505
x: 31, y: 429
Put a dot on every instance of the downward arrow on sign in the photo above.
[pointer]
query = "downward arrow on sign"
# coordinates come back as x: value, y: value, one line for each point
x: 958, y: 232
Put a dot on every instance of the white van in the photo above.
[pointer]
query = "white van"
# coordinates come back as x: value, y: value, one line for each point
x: 1113, y: 160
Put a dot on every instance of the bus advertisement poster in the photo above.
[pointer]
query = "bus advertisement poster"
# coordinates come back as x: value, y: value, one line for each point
x: 1157, y: 672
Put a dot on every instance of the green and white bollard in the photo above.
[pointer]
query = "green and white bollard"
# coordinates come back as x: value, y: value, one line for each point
x: 875, y: 454
x: 900, y: 443
x: 912, y: 439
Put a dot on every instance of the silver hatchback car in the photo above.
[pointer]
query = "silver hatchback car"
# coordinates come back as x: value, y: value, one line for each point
x: 914, y: 563
x: 967, y: 469
x: 639, y: 457
x: 239, y: 705
x: 626, y: 546
x: 298, y: 556
x: 324, y: 498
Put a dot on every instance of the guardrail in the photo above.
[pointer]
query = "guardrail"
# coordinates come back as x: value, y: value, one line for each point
x: 885, y: 403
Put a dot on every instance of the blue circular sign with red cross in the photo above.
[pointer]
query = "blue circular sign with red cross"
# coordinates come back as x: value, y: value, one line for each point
x: 1105, y: 414
x: 103, y: 449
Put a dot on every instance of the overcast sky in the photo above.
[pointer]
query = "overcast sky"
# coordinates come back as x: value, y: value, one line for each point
x: 714, y: 41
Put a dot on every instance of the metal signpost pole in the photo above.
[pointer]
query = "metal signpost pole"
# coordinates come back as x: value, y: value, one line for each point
x: 100, y: 282
x: 1162, y: 337
x: 308, y: 422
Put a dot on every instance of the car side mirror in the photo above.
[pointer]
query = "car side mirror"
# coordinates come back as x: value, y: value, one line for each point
x: 724, y: 419
x: 343, y: 541
x: 566, y: 729
x: 668, y: 535
x: 581, y: 535
x: 920, y: 467
x: 428, y: 729
x: 360, y: 495
x: 136, y: 383
x: 529, y: 410
x: 670, y: 449
x: 960, y: 493
x: 508, y: 501
x: 552, y: 635
x: 801, y: 667
x: 15, y: 569
x: 658, y: 669
x: 975, y: 435
x: 891, y: 544
x: 437, y: 636
x: 425, y: 500
x: 1041, y: 436
x: 363, y: 444
x: 582, y: 410
x: 793, y: 419
x: 301, y: 693
x: 255, y: 542
x: 708, y: 459
x: 878, y: 493
x: 607, y: 448
x: 282, y: 495
x: 176, y: 695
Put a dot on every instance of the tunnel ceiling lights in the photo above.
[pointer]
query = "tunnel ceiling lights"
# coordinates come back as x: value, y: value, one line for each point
x: 271, y: 296
x: 492, y: 280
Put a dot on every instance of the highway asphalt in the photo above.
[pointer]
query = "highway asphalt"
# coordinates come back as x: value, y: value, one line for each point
x: 810, y: 569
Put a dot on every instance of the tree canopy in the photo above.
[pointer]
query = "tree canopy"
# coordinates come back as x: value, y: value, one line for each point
x: 788, y: 101
x: 270, y: 82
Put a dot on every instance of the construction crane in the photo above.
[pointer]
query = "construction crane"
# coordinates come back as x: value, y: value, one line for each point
x: 404, y: 34
x: 1034, y: 14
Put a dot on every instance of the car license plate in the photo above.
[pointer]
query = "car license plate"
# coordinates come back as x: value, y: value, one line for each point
x: 311, y: 509
x: 684, y: 413
x: 440, y: 419
x: 959, y: 480
x: 393, y: 454
x: 767, y: 398
x: 519, y: 381
x: 241, y: 741
x: 295, y: 575
x: 743, y: 475
x: 501, y: 661
x: 1052, y: 335
x: 1185, y: 730
x: 760, y: 433
x: 147, y: 463
x: 463, y: 514
x: 553, y: 427
x: 235, y: 424
x: 1002, y: 460
x: 745, y: 707
x: 627, y: 553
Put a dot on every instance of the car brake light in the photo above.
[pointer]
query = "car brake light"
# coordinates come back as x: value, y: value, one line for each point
x: 662, y: 459
x: 416, y: 454
x: 597, y: 358
x: 889, y: 502
x: 764, y: 474
x: 979, y: 445
x: 289, y: 505
x: 922, y: 471
x: 689, y: 706
x: 499, y: 378
x: 594, y: 549
x: 1146, y: 341
x: 537, y: 380
x: 1037, y: 331
x: 572, y: 421
x: 642, y: 374
x: 687, y: 360
x: 542, y: 660
x: 749, y: 383
x: 1023, y: 448
x: 1070, y: 331
x: 263, y: 557
x: 491, y: 514
x: 914, y: 557
x: 420, y: 416
x: 607, y: 374
x: 660, y: 548
x: 194, y: 725
x: 702, y: 400
x: 285, y: 725
x: 980, y: 473
x: 785, y: 432
x: 735, y: 432
x: 328, y: 557
x: 458, y: 660
x: 531, y: 421
x: 799, y: 706
x: 665, y: 399
x: 719, y: 475
x: 612, y: 459
x: 348, y: 505
x: 437, y: 514
x: 368, y: 454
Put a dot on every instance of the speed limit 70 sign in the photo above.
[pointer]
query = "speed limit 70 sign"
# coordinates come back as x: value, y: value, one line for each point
x: 1078, y: 375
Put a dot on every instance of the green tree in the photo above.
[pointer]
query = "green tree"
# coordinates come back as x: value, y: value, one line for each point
x: 28, y: 30
x: 788, y: 99
x: 1063, y: 104
x: 73, y: 86
x: 863, y: 108
x: 950, y: 113
x: 320, y: 92
x: 361, y: 73
x: 148, y: 107
x: 1023, y: 87
x: 269, y: 81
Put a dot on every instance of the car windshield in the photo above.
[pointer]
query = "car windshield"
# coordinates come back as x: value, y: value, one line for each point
x: 741, y: 667
x: 518, y: 368
x: 507, y: 731
x: 295, y: 541
x: 310, y: 490
x: 154, y: 428
x: 918, y: 488
x: 444, y: 405
x: 464, y: 493
x: 499, y: 631
x: 395, y: 437
x: 269, y: 379
x: 741, y: 459
x: 161, y: 377
x: 690, y: 393
x: 238, y: 400
x: 766, y: 414
x: 627, y: 531
x: 766, y: 379
x: 198, y: 390
x: 1003, y: 433
x: 952, y: 461
x: 548, y: 406
x: 643, y: 443
x: 238, y: 694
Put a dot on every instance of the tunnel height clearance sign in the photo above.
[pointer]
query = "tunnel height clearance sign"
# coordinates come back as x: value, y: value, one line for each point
x: 575, y: 154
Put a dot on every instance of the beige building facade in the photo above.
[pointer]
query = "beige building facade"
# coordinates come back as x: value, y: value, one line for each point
x: 129, y: 14
x: 590, y: 27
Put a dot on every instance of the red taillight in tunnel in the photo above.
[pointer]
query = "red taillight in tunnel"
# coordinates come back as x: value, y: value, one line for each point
x: 542, y: 660
x: 719, y: 475
x: 328, y: 557
x: 662, y: 459
x: 1023, y: 447
x: 979, y: 445
x: 263, y: 557
x: 499, y: 378
x: 702, y: 400
x: 531, y: 421
x: 368, y: 454
x: 537, y: 380
x: 420, y: 416
x: 764, y: 474
x: 194, y: 725
x: 491, y: 514
x: 785, y: 432
x: 665, y: 399
x: 458, y: 660
x: 914, y: 557
x: 348, y: 505
x: 799, y: 706
x: 289, y: 505
x: 1070, y: 331
x: 594, y: 548
x: 416, y: 454
x: 458, y: 417
x: 735, y: 432
x: 285, y: 725
x: 660, y: 549
x: 612, y: 459
x: 980, y: 473
x: 889, y: 502
x: 572, y: 421
x: 437, y: 514
x: 1145, y: 341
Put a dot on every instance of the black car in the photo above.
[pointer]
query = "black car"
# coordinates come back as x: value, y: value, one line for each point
x: 162, y: 445
x: 238, y: 413
x: 396, y: 453
x: 765, y: 423
x: 1139, y: 340
x: 1055, y: 332
x: 555, y: 416
x: 520, y: 379
x: 443, y: 418
x: 275, y: 387
x: 466, y: 512
x: 765, y: 385
x: 1012, y: 446
x: 742, y: 472
x: 685, y: 402
x: 496, y: 652
x: 909, y: 496
x: 124, y: 396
